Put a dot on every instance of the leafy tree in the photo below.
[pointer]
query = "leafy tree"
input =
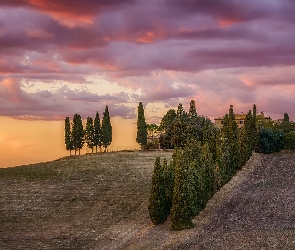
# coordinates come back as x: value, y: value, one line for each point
x: 89, y: 133
x: 106, y: 129
x: 141, y: 138
x: 97, y: 132
x: 68, y: 136
x: 179, y: 133
x: 165, y: 129
x: 152, y: 129
x: 289, y: 140
x: 270, y: 140
x: 157, y: 201
x: 77, y: 133
x: 167, y: 121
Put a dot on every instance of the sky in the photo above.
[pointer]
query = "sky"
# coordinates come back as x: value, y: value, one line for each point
x: 58, y: 58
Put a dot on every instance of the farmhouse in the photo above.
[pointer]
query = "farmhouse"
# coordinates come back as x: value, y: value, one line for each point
x: 240, y: 119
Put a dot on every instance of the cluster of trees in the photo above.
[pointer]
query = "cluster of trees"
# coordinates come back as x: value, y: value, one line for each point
x: 96, y: 134
x: 204, y: 159
x: 177, y: 127
x: 276, y: 135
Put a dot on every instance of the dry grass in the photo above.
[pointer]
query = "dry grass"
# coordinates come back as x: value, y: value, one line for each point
x: 100, y: 202
x: 88, y: 202
x: 255, y: 210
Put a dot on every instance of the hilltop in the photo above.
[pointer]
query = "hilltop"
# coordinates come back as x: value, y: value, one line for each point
x: 100, y: 201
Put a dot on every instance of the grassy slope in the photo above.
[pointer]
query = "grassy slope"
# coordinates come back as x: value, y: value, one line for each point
x: 89, y: 202
x: 100, y: 202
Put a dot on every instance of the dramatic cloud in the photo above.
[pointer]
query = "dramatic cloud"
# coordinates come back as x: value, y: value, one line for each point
x: 62, y: 57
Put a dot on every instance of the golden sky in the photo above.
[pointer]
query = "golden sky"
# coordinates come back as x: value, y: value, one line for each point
x: 24, y: 142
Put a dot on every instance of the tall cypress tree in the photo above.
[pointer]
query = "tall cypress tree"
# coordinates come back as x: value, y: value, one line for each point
x: 68, y: 137
x: 106, y: 129
x: 89, y: 133
x: 254, y: 132
x: 97, y: 132
x: 77, y: 133
x: 182, y: 211
x: 141, y: 137
x: 192, y: 109
x: 180, y: 111
x: 234, y: 142
x: 157, y: 202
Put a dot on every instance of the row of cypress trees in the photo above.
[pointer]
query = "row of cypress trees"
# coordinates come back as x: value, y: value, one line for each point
x: 199, y: 167
x: 96, y: 133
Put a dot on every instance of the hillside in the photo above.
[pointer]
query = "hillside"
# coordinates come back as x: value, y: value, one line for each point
x: 100, y: 202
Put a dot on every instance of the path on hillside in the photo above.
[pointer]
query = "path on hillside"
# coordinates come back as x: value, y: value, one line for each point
x: 255, y: 210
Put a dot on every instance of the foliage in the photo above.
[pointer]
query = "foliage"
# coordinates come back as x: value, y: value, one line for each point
x: 157, y: 201
x: 152, y: 129
x: 89, y: 133
x: 169, y: 183
x: 270, y: 140
x: 231, y: 155
x: 151, y: 145
x: 97, y: 132
x: 182, y: 211
x: 106, y: 129
x: 167, y: 121
x: 141, y: 137
x: 192, y: 109
x: 205, y: 157
x: 77, y: 133
x: 289, y: 140
x: 286, y: 117
x: 68, y: 136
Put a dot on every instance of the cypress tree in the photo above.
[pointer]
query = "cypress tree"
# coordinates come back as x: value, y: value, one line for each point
x: 106, y: 129
x: 68, y: 137
x: 180, y: 111
x: 182, y: 211
x: 77, y: 133
x: 286, y: 117
x: 253, y: 129
x: 192, y: 109
x: 234, y: 146
x: 208, y: 166
x: 89, y: 133
x: 157, y: 201
x: 97, y: 132
x: 169, y: 183
x: 141, y: 137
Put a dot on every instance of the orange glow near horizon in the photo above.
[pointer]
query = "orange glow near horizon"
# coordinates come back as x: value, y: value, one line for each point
x: 25, y: 142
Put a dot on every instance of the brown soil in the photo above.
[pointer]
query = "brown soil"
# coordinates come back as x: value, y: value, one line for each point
x: 100, y: 202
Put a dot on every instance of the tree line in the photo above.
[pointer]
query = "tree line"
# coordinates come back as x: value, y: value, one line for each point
x: 96, y: 134
x: 205, y: 158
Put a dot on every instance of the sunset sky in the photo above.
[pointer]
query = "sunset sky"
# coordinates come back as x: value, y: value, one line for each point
x: 58, y: 58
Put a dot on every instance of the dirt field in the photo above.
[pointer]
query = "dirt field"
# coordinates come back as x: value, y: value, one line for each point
x: 100, y: 202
